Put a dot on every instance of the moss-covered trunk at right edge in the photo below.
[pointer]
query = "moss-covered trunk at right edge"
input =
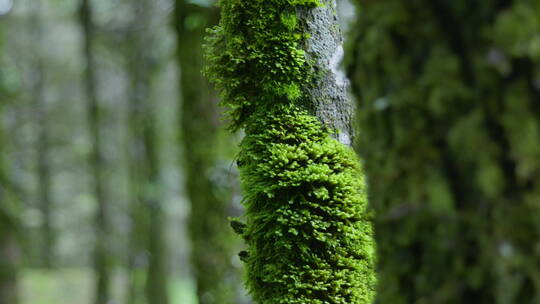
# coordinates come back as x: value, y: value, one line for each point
x: 307, y: 230
x: 449, y: 103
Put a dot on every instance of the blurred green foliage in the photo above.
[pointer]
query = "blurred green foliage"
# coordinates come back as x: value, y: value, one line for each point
x: 448, y: 99
x: 73, y: 285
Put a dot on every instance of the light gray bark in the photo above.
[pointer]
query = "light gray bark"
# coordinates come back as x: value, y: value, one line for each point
x: 329, y: 94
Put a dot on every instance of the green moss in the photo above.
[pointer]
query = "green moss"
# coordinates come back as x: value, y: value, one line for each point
x: 308, y: 233
x: 255, y: 58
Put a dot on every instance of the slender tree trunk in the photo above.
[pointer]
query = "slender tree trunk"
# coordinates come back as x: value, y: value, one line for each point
x: 449, y: 111
x: 102, y: 261
x: 9, y: 257
x: 47, y: 238
x: 147, y: 220
x: 308, y: 233
x: 9, y: 253
x: 212, y: 246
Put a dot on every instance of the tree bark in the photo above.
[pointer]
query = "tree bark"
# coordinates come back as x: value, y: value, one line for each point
x: 148, y: 239
x: 449, y: 116
x: 212, y: 246
x: 102, y: 260
x: 308, y: 233
x: 327, y: 96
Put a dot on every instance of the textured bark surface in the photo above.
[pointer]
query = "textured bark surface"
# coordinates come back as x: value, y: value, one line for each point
x: 450, y: 132
x: 213, y: 244
x: 328, y: 94
x: 102, y: 259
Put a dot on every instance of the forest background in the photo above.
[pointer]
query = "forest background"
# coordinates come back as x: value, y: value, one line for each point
x: 119, y: 178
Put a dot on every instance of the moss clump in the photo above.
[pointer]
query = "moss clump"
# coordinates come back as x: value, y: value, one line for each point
x: 308, y: 233
x: 255, y: 57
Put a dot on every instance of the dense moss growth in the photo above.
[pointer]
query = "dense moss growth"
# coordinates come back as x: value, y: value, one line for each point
x: 255, y: 57
x: 449, y: 103
x: 308, y: 233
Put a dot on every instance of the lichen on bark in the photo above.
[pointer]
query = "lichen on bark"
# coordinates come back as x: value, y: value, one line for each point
x: 308, y: 234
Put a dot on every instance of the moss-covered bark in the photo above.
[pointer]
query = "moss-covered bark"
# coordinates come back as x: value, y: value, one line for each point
x: 307, y: 229
x: 212, y: 246
x: 450, y: 131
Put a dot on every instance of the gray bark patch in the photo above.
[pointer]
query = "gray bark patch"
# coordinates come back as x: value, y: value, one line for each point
x: 328, y: 96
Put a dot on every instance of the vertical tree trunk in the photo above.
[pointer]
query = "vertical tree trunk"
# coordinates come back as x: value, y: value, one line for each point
x: 308, y: 233
x: 102, y: 262
x: 450, y: 132
x: 212, y: 246
x: 147, y: 218
x: 9, y: 254
x: 8, y: 258
x: 47, y: 237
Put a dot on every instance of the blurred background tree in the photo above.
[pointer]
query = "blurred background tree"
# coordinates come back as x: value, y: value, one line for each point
x: 449, y: 107
x: 208, y: 151
x: 97, y: 162
x: 9, y: 217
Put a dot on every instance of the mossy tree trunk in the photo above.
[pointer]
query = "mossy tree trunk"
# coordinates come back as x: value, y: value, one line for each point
x: 449, y: 103
x: 212, y: 245
x: 308, y: 233
x: 147, y: 256
x: 102, y: 259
